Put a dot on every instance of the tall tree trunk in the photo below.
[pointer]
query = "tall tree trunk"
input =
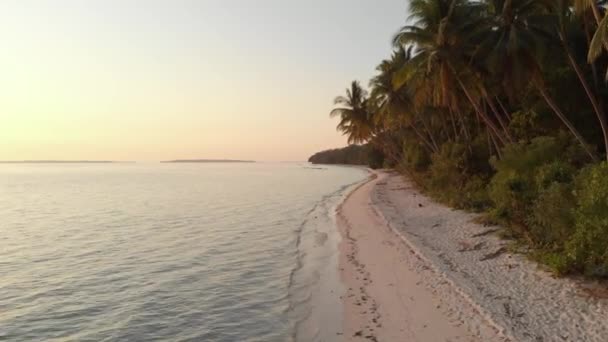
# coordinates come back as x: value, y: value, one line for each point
x: 498, y: 153
x: 423, y: 139
x: 596, y: 13
x: 596, y: 107
x: 445, y: 126
x: 481, y: 114
x: 430, y: 134
x: 453, y: 121
x: 503, y: 108
x: 547, y: 97
x: 504, y: 126
x: 463, y: 123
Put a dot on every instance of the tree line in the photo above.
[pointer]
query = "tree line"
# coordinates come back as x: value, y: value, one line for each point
x: 500, y: 106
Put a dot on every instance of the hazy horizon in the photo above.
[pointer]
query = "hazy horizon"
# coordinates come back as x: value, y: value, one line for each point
x: 160, y: 80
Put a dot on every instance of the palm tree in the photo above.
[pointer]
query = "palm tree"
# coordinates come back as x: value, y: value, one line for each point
x: 514, y: 40
x: 581, y: 6
x: 395, y: 108
x: 600, y: 38
x: 565, y: 22
x: 441, y: 30
x: 355, y: 120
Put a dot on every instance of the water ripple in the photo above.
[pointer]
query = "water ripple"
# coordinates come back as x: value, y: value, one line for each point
x: 158, y: 252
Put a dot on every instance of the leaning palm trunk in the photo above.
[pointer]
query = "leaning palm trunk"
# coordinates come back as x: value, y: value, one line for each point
x: 480, y: 113
x: 426, y: 142
x: 389, y: 152
x: 543, y: 91
x: 504, y: 126
x: 453, y: 123
x: 463, y: 124
x: 492, y: 142
x: 596, y: 107
x: 504, y: 110
x: 430, y: 134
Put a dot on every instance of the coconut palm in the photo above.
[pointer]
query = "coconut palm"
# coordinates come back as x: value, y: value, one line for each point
x: 515, y: 39
x: 441, y: 30
x: 599, y: 41
x: 355, y: 119
x: 565, y: 24
x: 600, y: 38
x: 395, y: 108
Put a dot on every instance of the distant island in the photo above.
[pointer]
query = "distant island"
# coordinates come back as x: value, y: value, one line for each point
x: 56, y: 161
x: 208, y: 161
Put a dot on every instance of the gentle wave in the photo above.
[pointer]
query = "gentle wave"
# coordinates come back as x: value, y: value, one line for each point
x: 315, y: 288
x: 163, y: 252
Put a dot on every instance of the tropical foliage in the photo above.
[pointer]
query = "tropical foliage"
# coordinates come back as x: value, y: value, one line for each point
x: 500, y: 106
x: 350, y: 155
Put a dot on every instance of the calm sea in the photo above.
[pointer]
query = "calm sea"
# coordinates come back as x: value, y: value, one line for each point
x: 170, y: 252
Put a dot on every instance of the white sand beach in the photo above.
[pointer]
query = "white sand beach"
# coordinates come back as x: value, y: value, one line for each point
x: 415, y: 270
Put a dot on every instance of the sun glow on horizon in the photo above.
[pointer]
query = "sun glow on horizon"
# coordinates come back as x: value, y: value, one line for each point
x: 156, y: 80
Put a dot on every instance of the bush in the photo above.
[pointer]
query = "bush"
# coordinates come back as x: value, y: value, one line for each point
x: 525, y: 125
x: 525, y: 171
x: 375, y: 158
x: 513, y: 189
x: 446, y: 169
x: 474, y: 195
x: 588, y: 246
x: 415, y: 158
x: 551, y: 222
x: 558, y: 262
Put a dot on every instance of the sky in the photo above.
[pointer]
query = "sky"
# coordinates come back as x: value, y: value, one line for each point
x: 146, y: 80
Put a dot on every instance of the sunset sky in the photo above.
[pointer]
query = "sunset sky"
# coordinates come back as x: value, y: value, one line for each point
x: 153, y: 80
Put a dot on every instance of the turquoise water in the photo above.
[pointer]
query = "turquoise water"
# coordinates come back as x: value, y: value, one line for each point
x: 174, y: 252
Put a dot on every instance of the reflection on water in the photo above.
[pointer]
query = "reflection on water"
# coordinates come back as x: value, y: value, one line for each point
x: 159, y: 251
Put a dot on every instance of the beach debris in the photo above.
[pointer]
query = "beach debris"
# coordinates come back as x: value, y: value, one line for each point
x: 486, y: 232
x: 494, y: 254
x: 420, y: 205
x: 467, y: 246
x: 358, y: 333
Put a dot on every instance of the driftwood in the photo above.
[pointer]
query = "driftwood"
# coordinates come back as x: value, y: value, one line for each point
x: 486, y: 232
x: 494, y: 254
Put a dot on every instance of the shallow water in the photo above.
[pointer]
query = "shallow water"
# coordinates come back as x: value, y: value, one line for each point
x: 202, y: 252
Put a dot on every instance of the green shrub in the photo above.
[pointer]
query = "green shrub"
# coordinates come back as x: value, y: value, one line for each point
x: 415, y: 158
x: 551, y: 221
x: 558, y: 262
x: 588, y: 246
x: 555, y: 172
x: 445, y: 175
x: 524, y: 171
x: 525, y: 125
x: 446, y: 169
x: 478, y: 160
x: 375, y: 158
x: 474, y: 195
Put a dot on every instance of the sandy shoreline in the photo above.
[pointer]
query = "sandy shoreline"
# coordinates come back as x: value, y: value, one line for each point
x: 385, y: 300
x: 415, y: 270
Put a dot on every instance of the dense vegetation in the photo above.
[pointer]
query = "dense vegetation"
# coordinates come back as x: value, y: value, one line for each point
x: 500, y: 106
x: 350, y: 155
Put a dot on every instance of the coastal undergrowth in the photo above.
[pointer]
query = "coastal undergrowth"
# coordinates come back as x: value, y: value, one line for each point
x: 538, y: 192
